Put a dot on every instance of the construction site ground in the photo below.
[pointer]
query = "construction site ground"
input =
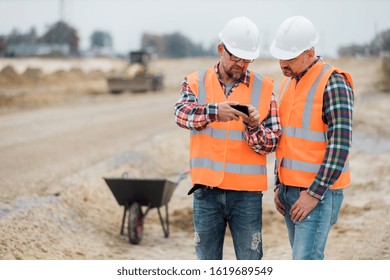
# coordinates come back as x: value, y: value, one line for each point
x: 61, y: 132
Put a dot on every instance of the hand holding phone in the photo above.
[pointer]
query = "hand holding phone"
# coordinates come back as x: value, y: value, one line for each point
x: 242, y: 108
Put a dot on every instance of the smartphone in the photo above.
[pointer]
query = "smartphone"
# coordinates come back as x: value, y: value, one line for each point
x: 241, y: 108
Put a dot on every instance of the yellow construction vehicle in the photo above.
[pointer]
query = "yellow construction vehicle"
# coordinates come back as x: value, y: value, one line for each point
x: 137, y: 77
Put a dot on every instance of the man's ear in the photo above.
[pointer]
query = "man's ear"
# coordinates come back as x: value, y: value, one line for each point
x: 312, y: 53
x: 220, y: 49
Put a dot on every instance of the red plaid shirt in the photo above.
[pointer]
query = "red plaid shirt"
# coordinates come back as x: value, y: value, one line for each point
x: 263, y: 139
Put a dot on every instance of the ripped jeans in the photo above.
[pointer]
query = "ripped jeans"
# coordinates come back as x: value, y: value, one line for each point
x: 308, y: 238
x: 214, y: 209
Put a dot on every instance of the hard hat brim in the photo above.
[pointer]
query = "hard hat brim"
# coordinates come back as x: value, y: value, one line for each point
x: 239, y: 52
x: 286, y: 55
x: 282, y: 54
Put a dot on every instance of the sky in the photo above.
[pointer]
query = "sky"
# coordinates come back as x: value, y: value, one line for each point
x: 338, y: 22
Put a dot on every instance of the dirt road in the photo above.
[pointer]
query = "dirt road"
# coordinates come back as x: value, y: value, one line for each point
x: 52, y: 164
x: 39, y: 148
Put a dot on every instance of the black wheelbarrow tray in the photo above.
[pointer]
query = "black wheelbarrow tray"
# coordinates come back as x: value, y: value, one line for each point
x: 134, y: 194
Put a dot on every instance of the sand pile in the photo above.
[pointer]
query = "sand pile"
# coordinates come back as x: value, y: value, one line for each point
x: 32, y: 82
x: 9, y: 77
x: 34, y: 87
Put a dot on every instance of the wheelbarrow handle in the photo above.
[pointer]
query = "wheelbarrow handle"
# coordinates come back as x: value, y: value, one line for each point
x: 182, y: 176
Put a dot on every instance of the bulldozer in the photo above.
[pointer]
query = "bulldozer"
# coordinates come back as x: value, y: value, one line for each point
x: 136, y: 77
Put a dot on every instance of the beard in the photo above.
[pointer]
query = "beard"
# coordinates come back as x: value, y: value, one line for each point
x: 235, y: 72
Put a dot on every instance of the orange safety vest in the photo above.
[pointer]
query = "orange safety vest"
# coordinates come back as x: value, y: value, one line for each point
x: 303, y: 143
x: 219, y: 154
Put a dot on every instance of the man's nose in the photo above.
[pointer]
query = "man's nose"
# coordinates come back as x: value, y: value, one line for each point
x: 241, y: 63
x: 282, y: 63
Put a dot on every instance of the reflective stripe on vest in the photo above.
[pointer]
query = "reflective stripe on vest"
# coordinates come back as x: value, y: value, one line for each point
x: 304, y: 134
x: 305, y: 166
x: 284, y: 88
x: 201, y: 87
x: 219, y: 133
x: 309, y: 105
x: 247, y: 169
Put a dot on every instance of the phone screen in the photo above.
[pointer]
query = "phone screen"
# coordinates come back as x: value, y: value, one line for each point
x: 241, y: 108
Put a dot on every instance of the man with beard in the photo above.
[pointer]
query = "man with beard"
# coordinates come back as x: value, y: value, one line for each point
x: 232, y: 116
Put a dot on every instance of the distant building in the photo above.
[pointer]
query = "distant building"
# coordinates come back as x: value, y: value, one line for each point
x: 59, y: 40
x: 37, y: 49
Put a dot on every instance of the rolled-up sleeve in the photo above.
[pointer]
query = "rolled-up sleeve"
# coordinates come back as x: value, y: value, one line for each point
x: 191, y: 115
x: 264, y: 138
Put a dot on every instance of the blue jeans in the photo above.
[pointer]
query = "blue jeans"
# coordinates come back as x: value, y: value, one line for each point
x: 308, y: 238
x: 241, y: 210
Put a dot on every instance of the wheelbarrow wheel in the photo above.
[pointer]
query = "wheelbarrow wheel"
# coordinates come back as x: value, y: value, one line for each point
x: 135, y: 223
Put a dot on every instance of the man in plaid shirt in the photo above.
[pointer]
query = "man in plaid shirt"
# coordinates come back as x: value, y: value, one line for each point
x: 312, y: 157
x: 228, y: 146
x: 262, y: 138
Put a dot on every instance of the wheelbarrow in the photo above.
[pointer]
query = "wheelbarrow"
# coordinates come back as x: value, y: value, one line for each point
x: 138, y: 197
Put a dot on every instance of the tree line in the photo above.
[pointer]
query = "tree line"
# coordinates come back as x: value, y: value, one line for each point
x: 173, y: 45
x: 380, y: 45
x: 60, y: 33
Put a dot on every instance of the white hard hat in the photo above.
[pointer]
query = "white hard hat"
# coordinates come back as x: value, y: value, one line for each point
x: 294, y: 36
x: 241, y: 37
